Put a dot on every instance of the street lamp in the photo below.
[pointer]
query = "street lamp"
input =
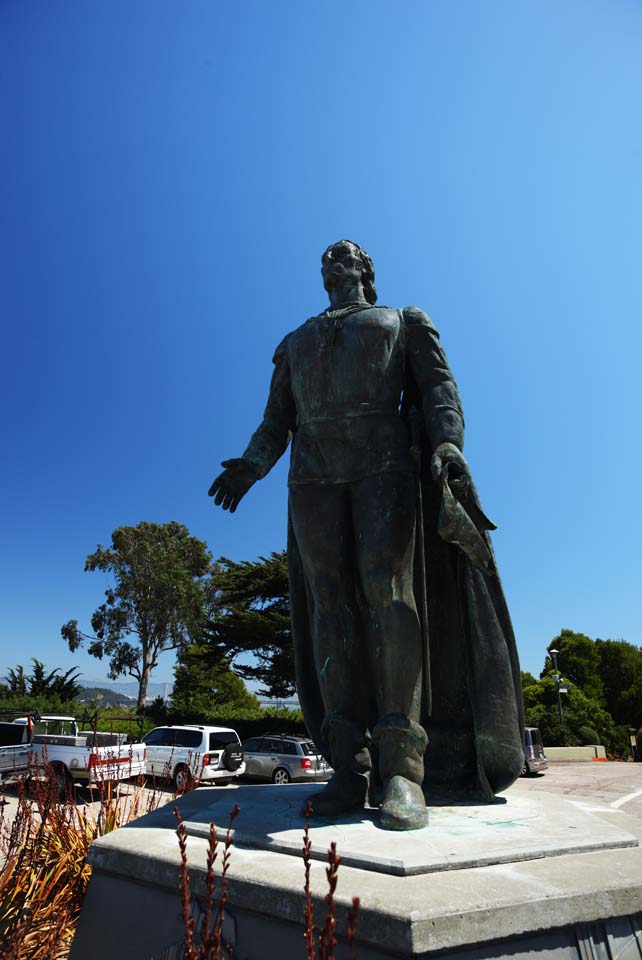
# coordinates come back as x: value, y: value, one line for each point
x: 556, y: 678
x: 634, y: 742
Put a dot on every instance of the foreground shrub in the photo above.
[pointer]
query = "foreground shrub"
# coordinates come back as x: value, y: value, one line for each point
x: 204, y: 939
x: 45, y: 875
x: 45, y: 871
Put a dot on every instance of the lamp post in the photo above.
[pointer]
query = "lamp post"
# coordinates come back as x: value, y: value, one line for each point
x: 634, y: 742
x: 556, y: 678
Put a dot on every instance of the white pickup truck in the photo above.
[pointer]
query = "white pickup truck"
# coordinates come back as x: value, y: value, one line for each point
x: 88, y: 757
x: 14, y: 754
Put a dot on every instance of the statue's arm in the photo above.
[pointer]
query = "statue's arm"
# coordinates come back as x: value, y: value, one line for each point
x: 442, y: 409
x: 268, y: 442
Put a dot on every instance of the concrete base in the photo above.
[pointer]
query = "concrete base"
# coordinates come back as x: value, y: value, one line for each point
x: 480, y: 881
x: 568, y: 754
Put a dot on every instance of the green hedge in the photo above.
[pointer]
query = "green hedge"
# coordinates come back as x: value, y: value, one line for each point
x: 246, y: 723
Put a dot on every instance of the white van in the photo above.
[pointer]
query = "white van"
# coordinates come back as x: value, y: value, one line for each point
x: 535, y: 760
x: 208, y: 754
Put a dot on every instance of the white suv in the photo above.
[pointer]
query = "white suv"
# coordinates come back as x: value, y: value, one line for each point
x: 208, y: 754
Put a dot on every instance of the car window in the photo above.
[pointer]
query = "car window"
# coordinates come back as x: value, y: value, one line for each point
x: 309, y: 748
x: 11, y: 734
x: 270, y: 745
x: 154, y: 737
x: 251, y: 746
x: 170, y: 737
x: 188, y: 738
x: 218, y: 741
x: 289, y: 747
x: 52, y: 727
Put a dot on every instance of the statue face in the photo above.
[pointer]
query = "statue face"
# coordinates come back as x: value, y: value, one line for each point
x: 341, y: 265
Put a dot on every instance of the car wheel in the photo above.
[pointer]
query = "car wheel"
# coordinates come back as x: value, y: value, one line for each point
x: 182, y: 778
x: 281, y: 776
x: 63, y: 782
x: 525, y: 771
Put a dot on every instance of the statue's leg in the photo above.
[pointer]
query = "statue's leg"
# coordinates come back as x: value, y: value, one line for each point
x: 383, y: 509
x: 323, y: 529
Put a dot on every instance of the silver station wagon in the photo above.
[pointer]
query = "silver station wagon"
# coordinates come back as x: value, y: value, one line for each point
x: 284, y: 758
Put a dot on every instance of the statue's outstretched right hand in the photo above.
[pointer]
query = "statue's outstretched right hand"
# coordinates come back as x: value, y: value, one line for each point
x: 230, y: 487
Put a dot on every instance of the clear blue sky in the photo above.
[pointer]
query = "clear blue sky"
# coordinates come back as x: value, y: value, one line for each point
x: 171, y: 174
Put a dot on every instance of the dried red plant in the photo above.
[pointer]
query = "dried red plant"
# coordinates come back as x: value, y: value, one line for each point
x: 211, y: 944
x: 327, y: 939
x: 352, y: 928
x: 308, y: 933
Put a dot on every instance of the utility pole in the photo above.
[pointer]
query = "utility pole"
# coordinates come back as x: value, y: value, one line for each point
x: 556, y: 678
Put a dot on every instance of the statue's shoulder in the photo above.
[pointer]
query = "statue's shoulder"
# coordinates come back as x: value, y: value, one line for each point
x: 281, y: 352
x: 295, y: 338
x: 414, y: 317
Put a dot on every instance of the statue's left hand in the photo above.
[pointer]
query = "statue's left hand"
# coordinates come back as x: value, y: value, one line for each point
x: 448, y: 453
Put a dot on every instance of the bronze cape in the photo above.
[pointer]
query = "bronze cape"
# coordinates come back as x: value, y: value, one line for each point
x: 475, y: 727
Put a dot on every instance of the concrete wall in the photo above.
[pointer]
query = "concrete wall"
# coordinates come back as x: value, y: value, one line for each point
x: 560, y: 754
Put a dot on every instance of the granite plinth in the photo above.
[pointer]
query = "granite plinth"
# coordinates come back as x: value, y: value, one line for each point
x: 457, y: 837
x: 575, y: 876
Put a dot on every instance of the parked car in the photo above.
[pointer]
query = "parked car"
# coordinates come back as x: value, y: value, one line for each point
x: 283, y: 758
x: 208, y: 754
x: 534, y: 757
x: 14, y: 754
x: 88, y: 757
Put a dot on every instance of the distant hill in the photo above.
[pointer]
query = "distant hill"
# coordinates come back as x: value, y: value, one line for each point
x: 105, y: 697
x: 129, y: 688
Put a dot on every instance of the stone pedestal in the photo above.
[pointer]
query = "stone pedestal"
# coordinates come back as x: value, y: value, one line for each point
x: 527, y: 873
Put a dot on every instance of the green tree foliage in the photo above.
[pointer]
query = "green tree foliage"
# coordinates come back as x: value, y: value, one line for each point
x: 249, y: 614
x: 205, y: 685
x: 17, y: 681
x: 578, y: 662
x: 620, y: 666
x: 604, y: 683
x: 52, y: 685
x: 154, y: 604
x: 579, y: 711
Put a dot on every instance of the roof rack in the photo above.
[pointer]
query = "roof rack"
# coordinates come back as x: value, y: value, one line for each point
x: 287, y: 736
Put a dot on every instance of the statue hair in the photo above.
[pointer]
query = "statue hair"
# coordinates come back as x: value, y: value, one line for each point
x: 367, y: 273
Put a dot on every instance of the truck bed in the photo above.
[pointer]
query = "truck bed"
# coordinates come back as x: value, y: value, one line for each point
x: 85, y: 738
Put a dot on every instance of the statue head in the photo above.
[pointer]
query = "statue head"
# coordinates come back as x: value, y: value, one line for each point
x: 345, y: 262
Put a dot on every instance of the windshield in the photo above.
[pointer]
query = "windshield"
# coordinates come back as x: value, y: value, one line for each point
x: 219, y: 741
x: 536, y: 737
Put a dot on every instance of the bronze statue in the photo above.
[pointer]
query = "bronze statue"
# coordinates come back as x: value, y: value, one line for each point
x: 398, y: 617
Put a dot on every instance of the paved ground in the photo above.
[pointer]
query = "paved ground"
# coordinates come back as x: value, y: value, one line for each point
x: 617, y: 786
x: 610, y: 785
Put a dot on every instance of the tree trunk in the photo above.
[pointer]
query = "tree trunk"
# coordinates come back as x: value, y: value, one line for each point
x: 142, y: 684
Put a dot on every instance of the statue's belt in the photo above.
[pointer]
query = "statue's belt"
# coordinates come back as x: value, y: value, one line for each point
x: 349, y: 413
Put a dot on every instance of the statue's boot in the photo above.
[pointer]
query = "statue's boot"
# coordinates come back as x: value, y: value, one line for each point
x: 402, y: 744
x: 347, y: 788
